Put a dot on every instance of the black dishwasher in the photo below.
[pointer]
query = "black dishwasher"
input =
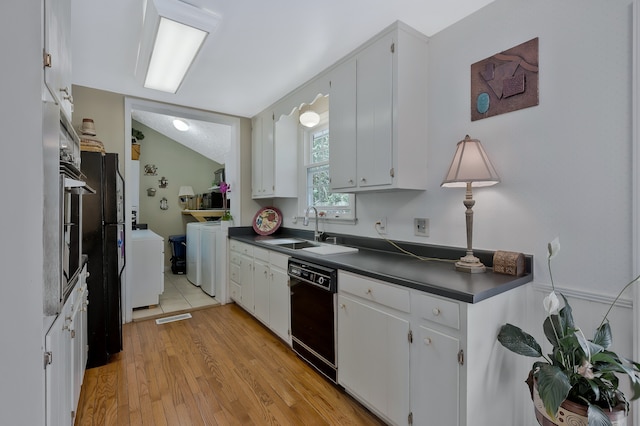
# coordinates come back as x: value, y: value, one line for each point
x: 313, y: 314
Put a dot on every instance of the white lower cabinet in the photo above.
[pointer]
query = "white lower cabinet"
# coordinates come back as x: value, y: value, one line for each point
x: 258, y: 282
x: 436, y: 362
x: 66, y: 357
x: 373, y: 357
x: 279, y: 296
x: 451, y: 371
x: 261, y: 284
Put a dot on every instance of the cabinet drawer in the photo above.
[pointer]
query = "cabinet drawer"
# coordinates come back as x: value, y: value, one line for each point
x: 236, y: 291
x: 375, y: 291
x: 260, y: 253
x: 234, y: 273
x: 241, y: 247
x: 437, y: 310
x: 278, y: 260
x: 234, y: 258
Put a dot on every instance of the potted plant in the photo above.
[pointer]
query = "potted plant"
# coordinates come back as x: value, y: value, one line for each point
x: 578, y: 370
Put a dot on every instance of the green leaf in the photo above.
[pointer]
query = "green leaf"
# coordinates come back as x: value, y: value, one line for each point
x: 588, y: 347
x: 566, y: 314
x: 603, y: 336
x: 553, y: 387
x: 516, y: 340
x: 552, y: 328
x: 597, y: 417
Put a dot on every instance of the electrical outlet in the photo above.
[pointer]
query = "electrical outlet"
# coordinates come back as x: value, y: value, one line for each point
x: 381, y: 226
x: 421, y: 227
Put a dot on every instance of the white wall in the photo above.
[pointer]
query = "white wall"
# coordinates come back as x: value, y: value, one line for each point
x: 565, y: 164
x: 21, y: 255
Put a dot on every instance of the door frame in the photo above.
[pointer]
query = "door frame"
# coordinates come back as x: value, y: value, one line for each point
x: 233, y: 175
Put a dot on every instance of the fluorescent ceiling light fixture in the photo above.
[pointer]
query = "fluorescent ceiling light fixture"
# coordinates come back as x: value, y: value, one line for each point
x: 173, y: 33
x: 180, y: 125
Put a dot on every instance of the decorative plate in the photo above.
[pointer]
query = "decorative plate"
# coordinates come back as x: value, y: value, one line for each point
x: 267, y: 220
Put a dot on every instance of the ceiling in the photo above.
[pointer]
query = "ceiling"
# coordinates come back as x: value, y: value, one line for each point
x: 260, y: 51
x: 212, y: 140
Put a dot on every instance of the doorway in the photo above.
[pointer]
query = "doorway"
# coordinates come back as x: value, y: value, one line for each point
x: 232, y: 163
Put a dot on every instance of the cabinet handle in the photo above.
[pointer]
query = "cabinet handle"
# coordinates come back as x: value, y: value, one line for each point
x: 363, y: 180
x: 67, y: 96
x: 351, y: 181
x: 369, y: 291
x: 436, y: 311
x: 73, y: 334
x: 427, y: 341
x: 343, y: 306
x: 265, y: 274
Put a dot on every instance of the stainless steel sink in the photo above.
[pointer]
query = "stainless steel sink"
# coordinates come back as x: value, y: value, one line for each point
x: 296, y: 245
x: 310, y: 246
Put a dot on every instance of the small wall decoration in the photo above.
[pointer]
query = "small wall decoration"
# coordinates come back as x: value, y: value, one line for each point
x: 163, y: 182
x: 164, y: 204
x: 150, y: 170
x: 505, y: 82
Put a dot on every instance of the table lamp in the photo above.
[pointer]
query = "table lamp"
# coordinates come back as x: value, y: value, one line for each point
x: 184, y: 193
x: 470, y: 167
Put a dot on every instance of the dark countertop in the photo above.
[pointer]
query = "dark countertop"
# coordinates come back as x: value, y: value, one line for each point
x: 376, y: 258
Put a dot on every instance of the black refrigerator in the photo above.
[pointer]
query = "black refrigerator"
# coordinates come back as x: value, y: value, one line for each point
x: 103, y: 243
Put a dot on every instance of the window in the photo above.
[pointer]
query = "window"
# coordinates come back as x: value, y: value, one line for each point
x: 318, y: 189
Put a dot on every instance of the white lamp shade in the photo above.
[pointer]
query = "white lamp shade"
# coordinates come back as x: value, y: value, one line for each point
x: 185, y: 191
x: 470, y: 165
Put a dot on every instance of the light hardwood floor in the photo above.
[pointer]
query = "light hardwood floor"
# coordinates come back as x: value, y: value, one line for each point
x: 220, y: 367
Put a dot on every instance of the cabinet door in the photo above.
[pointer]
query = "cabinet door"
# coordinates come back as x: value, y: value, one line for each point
x: 262, y: 156
x: 261, y: 290
x: 256, y: 157
x: 436, y: 381
x: 285, y: 156
x: 279, y: 303
x: 59, y: 372
x: 57, y: 44
x: 342, y: 126
x: 375, y: 114
x: 373, y: 357
x: 246, y: 283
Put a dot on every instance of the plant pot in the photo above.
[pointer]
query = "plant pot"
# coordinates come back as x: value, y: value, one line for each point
x: 569, y: 413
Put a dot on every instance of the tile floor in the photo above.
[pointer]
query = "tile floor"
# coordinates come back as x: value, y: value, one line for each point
x: 179, y: 296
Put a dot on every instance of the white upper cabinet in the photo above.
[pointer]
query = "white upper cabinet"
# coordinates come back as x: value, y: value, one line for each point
x: 274, y: 156
x: 262, y: 149
x: 378, y: 114
x: 342, y: 129
x: 57, y: 52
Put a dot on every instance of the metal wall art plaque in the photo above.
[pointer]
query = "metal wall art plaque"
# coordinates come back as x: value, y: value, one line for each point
x: 505, y: 82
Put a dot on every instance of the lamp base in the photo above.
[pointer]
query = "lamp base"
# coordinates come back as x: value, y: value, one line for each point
x: 470, y: 264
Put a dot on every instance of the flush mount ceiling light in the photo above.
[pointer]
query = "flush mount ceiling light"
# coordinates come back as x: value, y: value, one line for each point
x: 180, y: 125
x: 308, y: 117
x: 173, y: 33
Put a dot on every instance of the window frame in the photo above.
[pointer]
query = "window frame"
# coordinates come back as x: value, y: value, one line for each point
x: 305, y: 164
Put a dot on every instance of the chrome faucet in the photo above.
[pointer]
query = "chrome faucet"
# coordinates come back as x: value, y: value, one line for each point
x: 305, y: 222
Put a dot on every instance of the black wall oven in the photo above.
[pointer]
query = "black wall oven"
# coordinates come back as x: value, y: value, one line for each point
x: 313, y: 315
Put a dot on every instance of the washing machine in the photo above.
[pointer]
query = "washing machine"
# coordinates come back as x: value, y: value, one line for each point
x: 193, y: 252
x: 210, y: 267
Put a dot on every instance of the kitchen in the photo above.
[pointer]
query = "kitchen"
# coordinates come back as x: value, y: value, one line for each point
x: 545, y: 178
